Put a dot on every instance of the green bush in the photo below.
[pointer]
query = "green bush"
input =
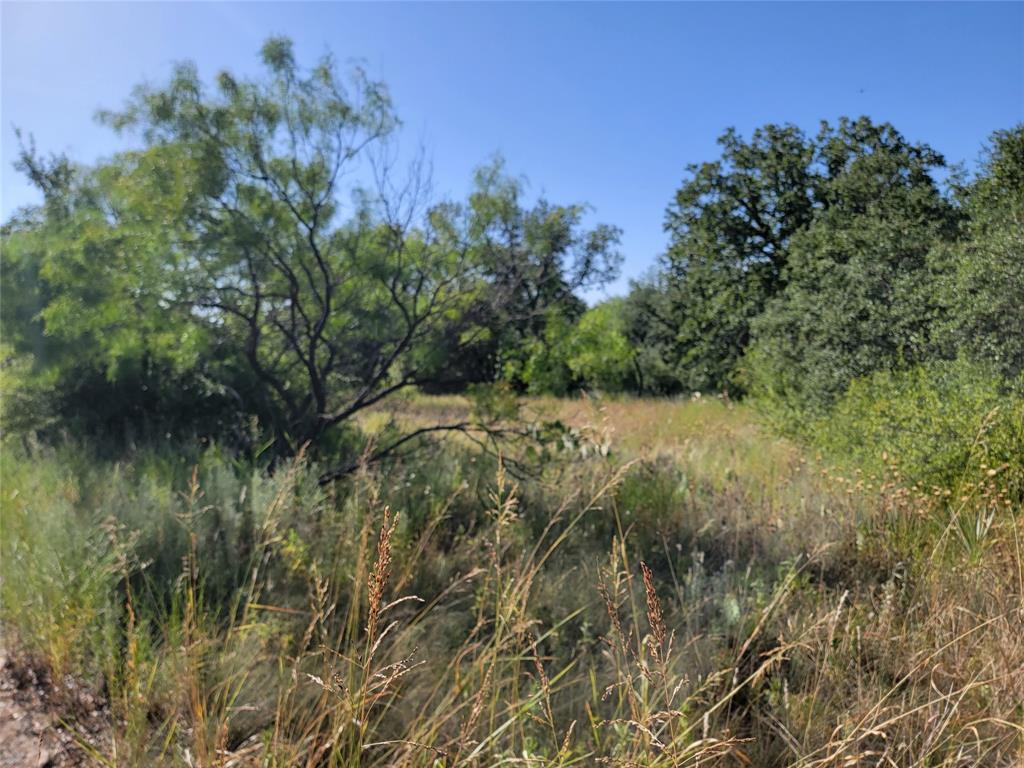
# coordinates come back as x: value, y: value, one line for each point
x: 940, y: 422
x: 599, y: 352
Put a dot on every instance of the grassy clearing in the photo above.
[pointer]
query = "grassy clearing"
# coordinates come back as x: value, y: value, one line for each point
x: 681, y: 588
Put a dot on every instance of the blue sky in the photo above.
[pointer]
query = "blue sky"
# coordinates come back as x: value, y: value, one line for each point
x: 602, y: 103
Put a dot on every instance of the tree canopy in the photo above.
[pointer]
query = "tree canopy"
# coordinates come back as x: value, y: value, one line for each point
x: 260, y: 245
x: 254, y: 269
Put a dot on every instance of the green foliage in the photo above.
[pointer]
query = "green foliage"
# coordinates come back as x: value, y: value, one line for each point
x: 985, y: 290
x: 650, y: 330
x: 537, y: 260
x: 599, y: 354
x: 859, y: 292
x: 796, y: 265
x: 941, y: 423
x: 592, y: 353
x: 730, y: 225
x: 540, y: 363
x: 222, y: 274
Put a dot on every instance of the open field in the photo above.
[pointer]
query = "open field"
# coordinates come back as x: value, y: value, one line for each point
x: 680, y: 587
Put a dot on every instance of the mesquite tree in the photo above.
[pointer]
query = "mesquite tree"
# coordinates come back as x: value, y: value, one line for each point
x: 257, y: 258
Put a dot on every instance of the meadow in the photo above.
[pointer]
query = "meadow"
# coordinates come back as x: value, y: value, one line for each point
x: 677, y: 586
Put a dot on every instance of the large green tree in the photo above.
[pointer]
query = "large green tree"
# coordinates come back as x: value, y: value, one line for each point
x: 537, y: 260
x: 90, y: 342
x: 730, y: 227
x: 257, y: 254
x: 985, y: 292
x: 860, y: 294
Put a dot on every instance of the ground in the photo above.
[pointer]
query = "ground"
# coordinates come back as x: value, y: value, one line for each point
x: 31, y: 735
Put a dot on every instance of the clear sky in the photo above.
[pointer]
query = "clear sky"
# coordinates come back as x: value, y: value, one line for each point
x: 602, y: 103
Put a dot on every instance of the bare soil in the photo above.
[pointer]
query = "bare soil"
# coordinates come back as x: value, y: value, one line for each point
x: 33, y: 726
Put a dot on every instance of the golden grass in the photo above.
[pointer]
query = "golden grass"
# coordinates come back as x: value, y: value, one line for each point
x: 697, y: 593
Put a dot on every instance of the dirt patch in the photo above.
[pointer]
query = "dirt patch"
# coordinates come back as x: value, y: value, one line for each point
x: 31, y: 731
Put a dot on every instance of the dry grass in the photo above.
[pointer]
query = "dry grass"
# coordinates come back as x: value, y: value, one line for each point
x: 680, y: 589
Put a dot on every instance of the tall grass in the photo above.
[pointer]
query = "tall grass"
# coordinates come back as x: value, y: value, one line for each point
x: 681, y: 590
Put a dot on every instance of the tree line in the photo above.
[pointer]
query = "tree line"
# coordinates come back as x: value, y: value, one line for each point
x: 258, y: 271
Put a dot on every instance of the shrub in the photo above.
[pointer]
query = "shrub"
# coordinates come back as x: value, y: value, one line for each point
x: 941, y: 422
